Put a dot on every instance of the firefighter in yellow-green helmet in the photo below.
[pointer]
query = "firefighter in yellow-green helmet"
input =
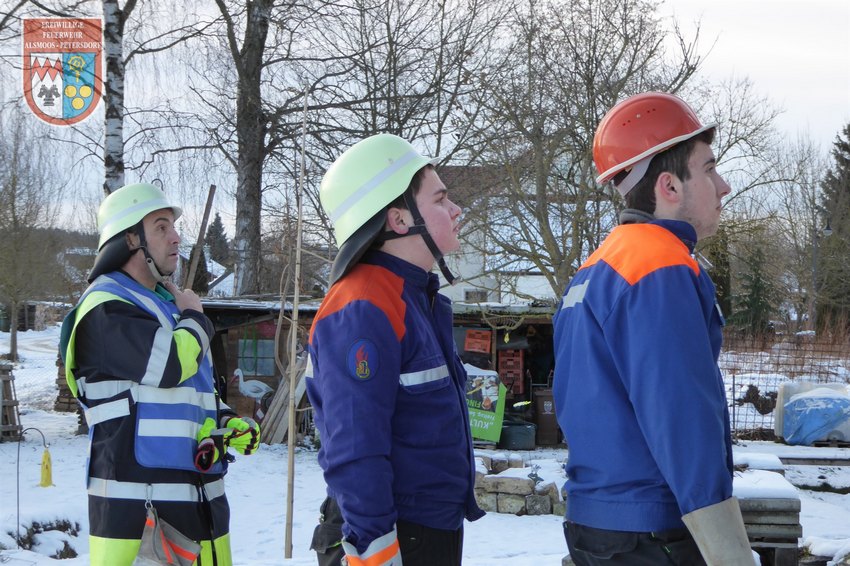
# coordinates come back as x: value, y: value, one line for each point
x: 387, y: 386
x: 136, y: 354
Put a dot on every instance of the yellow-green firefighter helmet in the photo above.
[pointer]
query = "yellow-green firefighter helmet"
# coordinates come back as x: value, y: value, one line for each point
x: 365, y: 179
x: 125, y: 207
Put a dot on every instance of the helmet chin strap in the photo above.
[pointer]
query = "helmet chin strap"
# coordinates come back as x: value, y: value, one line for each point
x: 420, y: 228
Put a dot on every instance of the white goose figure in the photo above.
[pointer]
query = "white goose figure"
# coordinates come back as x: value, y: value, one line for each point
x: 251, y: 388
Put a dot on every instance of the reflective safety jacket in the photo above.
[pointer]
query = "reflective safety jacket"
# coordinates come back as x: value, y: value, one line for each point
x: 143, y: 374
x: 638, y: 392
x: 388, y: 394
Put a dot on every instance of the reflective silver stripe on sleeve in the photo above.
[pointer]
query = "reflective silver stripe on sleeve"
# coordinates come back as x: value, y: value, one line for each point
x: 112, y: 489
x: 162, y: 342
x: 308, y: 369
x: 107, y: 411
x: 172, y: 428
x: 426, y: 376
x: 191, y: 324
x: 377, y: 546
x: 575, y: 295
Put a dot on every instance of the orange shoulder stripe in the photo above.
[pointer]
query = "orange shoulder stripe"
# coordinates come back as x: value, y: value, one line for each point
x: 657, y: 247
x: 371, y: 283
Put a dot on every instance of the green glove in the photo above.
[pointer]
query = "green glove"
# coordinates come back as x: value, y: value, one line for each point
x: 245, y: 438
x: 210, y: 446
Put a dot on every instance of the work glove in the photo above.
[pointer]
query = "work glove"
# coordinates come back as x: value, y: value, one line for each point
x: 383, y: 551
x: 210, y: 445
x: 245, y: 435
x: 720, y: 535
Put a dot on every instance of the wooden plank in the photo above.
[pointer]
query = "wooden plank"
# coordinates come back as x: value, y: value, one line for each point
x: 276, y: 421
x: 774, y: 531
x: 769, y: 504
x: 773, y: 544
x: 279, y: 433
x: 769, y: 518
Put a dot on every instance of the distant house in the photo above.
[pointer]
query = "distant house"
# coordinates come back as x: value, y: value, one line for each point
x: 479, y: 282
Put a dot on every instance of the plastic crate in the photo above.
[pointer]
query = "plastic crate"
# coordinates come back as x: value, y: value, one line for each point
x: 513, y: 380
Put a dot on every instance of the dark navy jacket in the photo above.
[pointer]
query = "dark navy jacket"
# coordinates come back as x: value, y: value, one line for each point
x: 638, y: 392
x: 387, y: 389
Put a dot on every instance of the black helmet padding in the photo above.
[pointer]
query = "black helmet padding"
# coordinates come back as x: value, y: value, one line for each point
x: 111, y: 257
x: 354, y: 247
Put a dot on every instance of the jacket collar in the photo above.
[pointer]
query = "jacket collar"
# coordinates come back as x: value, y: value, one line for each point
x: 412, y: 274
x: 681, y: 229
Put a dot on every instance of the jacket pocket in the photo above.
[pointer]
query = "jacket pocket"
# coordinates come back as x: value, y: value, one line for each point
x: 431, y: 374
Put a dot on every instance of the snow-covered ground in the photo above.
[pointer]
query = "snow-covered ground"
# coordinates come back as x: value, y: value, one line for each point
x: 256, y: 488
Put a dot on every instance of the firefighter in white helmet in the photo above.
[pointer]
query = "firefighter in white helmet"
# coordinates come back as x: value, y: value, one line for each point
x: 384, y: 378
x: 136, y: 354
x: 638, y: 392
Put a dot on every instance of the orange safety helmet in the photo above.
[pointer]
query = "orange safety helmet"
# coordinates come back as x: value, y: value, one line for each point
x: 637, y: 129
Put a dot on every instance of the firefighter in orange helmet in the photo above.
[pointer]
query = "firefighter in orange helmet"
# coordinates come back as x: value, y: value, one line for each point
x: 638, y: 392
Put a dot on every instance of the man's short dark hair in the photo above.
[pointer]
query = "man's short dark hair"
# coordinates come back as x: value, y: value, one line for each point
x: 673, y: 160
x: 413, y: 187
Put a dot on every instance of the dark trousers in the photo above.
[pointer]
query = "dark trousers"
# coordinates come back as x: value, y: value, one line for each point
x: 591, y: 547
x: 420, y: 545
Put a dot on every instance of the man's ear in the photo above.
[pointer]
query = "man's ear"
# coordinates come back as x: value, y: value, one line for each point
x: 133, y: 240
x: 396, y: 220
x: 668, y: 188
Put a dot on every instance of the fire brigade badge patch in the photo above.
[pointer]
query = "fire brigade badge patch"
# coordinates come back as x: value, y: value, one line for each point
x: 62, y: 64
x: 363, y: 360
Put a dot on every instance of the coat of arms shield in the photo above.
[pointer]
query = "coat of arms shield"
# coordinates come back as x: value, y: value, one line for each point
x: 62, y: 64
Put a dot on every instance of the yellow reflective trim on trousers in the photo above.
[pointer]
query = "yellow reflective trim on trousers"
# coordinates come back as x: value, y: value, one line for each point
x: 222, y: 551
x: 92, y: 300
x: 112, y: 551
x: 188, y: 351
x: 122, y: 552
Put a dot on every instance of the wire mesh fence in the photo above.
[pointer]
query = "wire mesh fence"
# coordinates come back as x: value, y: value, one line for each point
x: 755, y: 369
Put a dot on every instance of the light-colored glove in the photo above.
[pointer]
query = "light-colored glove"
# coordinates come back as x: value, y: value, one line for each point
x: 245, y: 437
x: 383, y: 551
x: 720, y: 535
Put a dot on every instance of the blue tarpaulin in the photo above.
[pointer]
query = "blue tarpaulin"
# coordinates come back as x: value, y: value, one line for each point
x: 819, y: 414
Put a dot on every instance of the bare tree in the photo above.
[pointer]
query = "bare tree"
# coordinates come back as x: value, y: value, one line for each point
x: 29, y: 199
x: 564, y: 66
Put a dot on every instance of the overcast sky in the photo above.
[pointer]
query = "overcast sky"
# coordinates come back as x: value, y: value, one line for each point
x: 796, y: 52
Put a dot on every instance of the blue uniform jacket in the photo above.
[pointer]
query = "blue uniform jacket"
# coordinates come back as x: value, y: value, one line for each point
x: 638, y: 392
x: 387, y: 389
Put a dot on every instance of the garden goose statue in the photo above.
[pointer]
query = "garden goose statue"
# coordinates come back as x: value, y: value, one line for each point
x: 251, y: 388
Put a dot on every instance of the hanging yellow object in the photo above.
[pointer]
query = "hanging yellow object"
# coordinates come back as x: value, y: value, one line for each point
x: 46, y: 470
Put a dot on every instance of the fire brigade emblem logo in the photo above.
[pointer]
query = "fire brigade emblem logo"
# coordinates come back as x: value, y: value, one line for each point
x: 363, y: 360
x: 63, y: 62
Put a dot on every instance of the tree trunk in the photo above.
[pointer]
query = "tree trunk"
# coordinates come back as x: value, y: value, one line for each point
x: 250, y: 131
x: 13, y: 331
x: 113, y: 96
